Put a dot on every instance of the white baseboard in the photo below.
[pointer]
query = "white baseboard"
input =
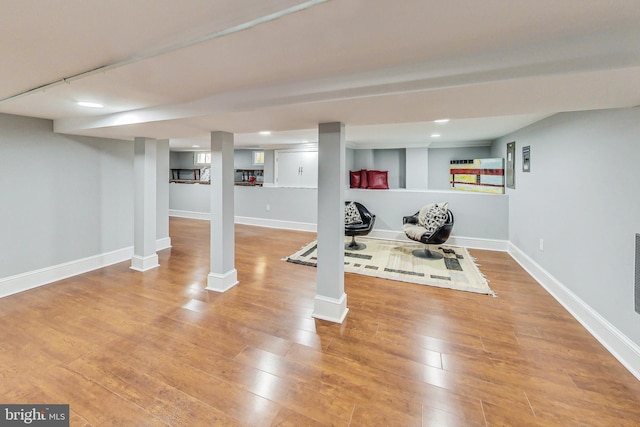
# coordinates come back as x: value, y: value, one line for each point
x: 140, y: 263
x: 618, y: 344
x: 330, y: 309
x: 188, y: 214
x: 274, y: 223
x: 222, y: 282
x: 162, y: 244
x: 33, y: 279
x: 43, y: 276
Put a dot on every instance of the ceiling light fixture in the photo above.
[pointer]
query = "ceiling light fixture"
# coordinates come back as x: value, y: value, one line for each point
x: 441, y: 121
x: 195, y: 146
x: 90, y: 104
x: 435, y: 135
x: 265, y: 132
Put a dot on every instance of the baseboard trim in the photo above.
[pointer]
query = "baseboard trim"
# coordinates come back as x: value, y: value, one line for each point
x: 189, y: 214
x: 274, y: 223
x: 143, y: 264
x: 44, y: 276
x: 222, y: 282
x: 162, y: 244
x: 33, y: 279
x: 330, y: 309
x: 618, y: 344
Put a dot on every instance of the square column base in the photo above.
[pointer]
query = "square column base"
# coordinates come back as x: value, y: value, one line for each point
x: 330, y: 309
x: 222, y: 282
x: 139, y: 263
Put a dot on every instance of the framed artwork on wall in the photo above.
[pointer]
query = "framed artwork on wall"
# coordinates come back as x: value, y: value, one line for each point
x: 511, y: 165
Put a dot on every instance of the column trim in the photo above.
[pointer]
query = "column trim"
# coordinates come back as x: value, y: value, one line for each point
x: 139, y: 263
x: 330, y: 309
x: 222, y: 282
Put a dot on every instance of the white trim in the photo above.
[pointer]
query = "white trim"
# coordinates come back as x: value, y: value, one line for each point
x: 44, y: 276
x: 276, y: 223
x: 139, y: 263
x: 222, y: 282
x: 330, y: 309
x: 33, y: 279
x: 189, y: 214
x: 164, y: 243
x: 618, y: 344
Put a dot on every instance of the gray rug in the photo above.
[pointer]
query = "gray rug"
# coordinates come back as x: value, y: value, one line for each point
x: 391, y: 259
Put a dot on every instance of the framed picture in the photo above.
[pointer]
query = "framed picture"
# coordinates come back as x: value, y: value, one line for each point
x: 511, y: 165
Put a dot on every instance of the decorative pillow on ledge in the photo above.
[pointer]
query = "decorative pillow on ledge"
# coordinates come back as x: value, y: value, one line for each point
x: 378, y: 180
x: 355, y: 179
x: 433, y: 216
x: 364, y: 182
x: 373, y: 179
x: 352, y: 214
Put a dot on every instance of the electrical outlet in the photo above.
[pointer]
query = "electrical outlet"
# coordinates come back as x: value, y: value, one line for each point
x: 541, y: 246
x: 267, y: 208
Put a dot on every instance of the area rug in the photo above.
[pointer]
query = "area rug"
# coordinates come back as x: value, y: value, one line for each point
x: 391, y: 259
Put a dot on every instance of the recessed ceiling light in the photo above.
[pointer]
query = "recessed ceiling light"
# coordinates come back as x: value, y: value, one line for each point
x: 90, y: 104
x: 195, y: 146
x: 441, y: 121
x: 435, y: 135
x: 265, y: 132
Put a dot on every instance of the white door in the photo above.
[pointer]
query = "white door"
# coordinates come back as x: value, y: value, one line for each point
x: 296, y: 168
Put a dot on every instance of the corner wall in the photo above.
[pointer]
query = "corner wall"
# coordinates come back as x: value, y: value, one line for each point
x: 66, y: 203
x: 581, y: 199
x: 63, y: 197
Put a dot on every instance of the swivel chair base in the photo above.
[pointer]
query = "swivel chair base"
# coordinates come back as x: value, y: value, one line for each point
x: 354, y: 246
x: 427, y: 254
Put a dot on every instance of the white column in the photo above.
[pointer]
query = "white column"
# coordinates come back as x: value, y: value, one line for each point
x: 417, y: 168
x: 144, y: 224
x: 331, y: 301
x: 223, y: 275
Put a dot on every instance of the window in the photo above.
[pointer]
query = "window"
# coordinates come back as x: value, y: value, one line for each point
x: 258, y: 158
x: 202, y: 159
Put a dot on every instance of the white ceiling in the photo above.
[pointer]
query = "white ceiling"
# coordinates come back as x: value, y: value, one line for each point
x: 386, y: 68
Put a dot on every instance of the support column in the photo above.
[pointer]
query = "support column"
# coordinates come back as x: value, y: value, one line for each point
x: 330, y: 302
x: 223, y: 275
x: 144, y: 224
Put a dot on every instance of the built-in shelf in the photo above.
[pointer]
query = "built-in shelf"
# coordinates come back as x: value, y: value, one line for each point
x: 249, y: 177
x: 187, y: 176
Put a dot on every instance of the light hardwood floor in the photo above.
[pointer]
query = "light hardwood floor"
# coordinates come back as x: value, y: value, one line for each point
x: 134, y: 349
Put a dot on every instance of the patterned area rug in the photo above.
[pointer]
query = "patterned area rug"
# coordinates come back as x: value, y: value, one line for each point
x: 393, y: 260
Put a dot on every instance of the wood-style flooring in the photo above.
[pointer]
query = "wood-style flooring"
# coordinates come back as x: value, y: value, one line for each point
x: 125, y: 348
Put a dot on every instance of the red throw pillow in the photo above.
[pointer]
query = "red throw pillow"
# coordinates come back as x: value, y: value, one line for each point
x: 355, y: 179
x: 378, y: 180
x: 364, y: 182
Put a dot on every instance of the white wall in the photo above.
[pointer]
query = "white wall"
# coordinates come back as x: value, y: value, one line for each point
x: 478, y: 216
x: 581, y: 197
x: 182, y: 160
x: 62, y: 197
x: 162, y: 189
x: 67, y: 203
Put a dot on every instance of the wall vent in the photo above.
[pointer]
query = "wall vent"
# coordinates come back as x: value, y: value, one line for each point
x: 637, y: 273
